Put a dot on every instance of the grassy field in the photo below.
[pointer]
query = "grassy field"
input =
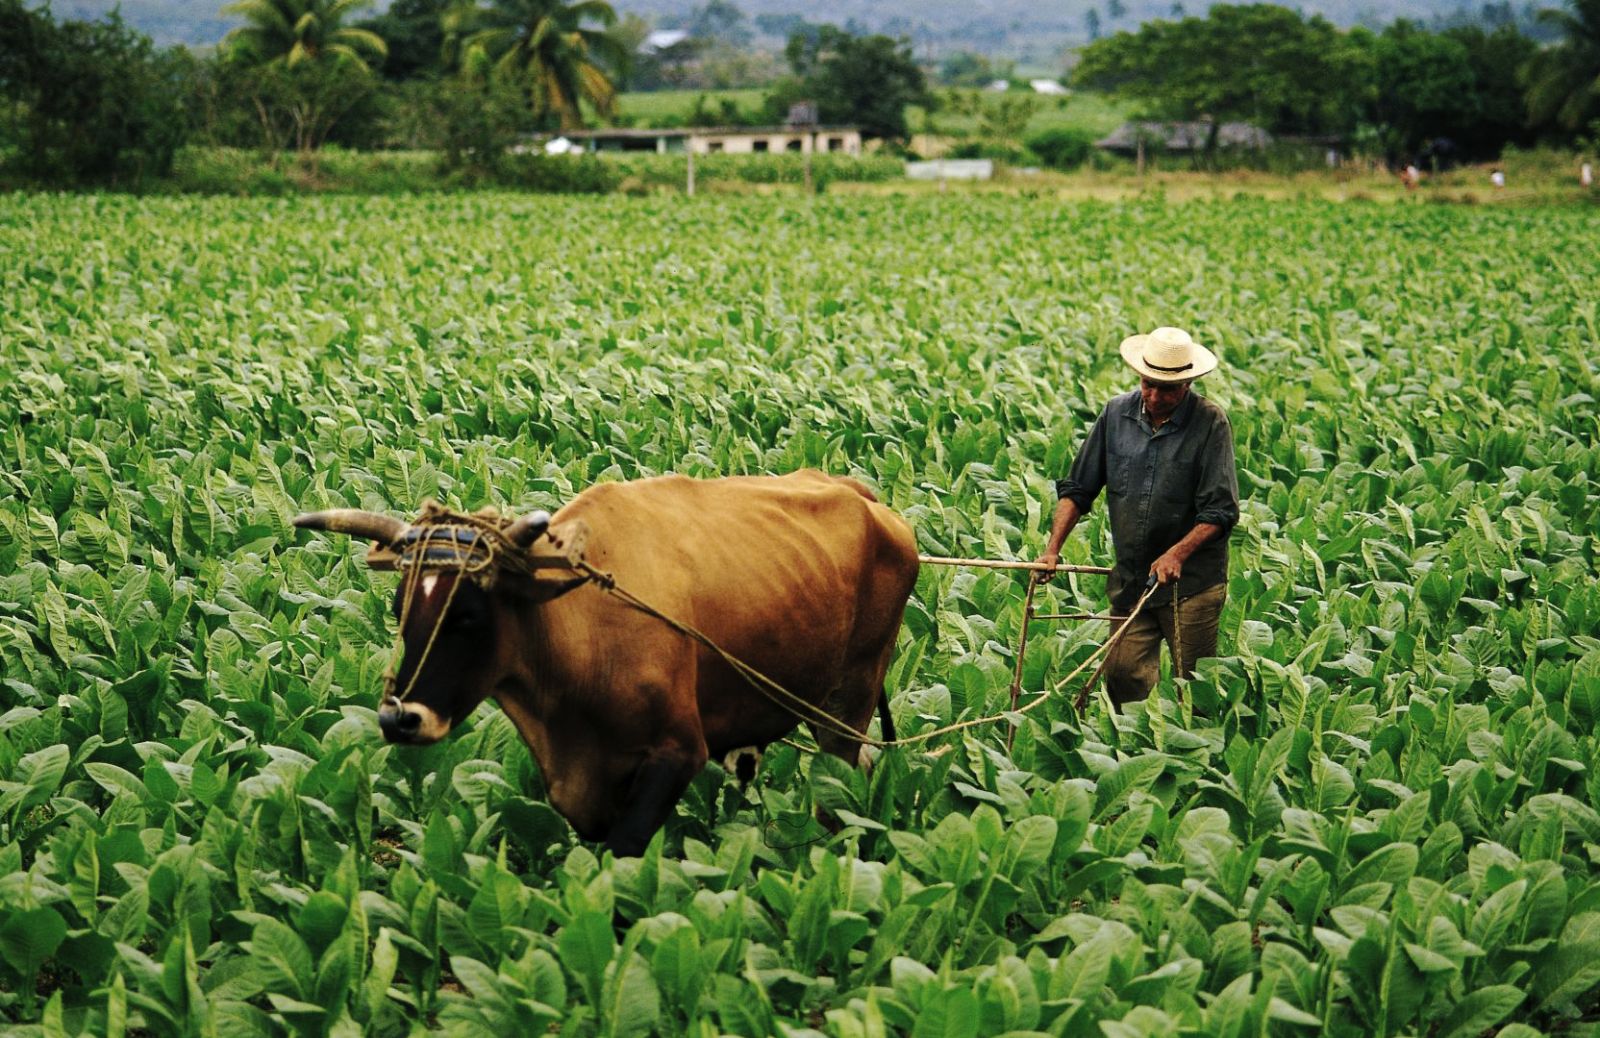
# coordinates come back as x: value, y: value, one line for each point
x: 672, y: 107
x: 1094, y: 113
x: 1374, y: 814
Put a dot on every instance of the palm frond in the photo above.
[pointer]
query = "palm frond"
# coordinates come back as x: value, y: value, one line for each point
x: 262, y: 12
x: 364, y: 39
x: 336, y: 10
x: 597, y: 88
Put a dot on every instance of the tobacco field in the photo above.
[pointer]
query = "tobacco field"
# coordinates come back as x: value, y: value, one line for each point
x: 1374, y: 814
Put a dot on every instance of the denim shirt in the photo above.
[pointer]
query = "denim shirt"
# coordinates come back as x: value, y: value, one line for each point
x: 1159, y: 483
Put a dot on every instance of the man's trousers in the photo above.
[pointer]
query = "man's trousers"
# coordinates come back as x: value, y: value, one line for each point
x: 1134, y: 664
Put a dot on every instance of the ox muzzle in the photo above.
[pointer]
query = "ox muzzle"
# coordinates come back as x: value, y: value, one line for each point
x: 410, y: 723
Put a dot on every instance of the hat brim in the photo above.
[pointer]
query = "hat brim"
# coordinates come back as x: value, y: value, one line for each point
x: 1204, y: 363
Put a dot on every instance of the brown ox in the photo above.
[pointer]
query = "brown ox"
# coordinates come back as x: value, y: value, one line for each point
x: 804, y: 577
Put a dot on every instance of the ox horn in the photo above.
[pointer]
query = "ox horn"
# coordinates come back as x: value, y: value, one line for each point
x: 528, y: 529
x: 353, y: 521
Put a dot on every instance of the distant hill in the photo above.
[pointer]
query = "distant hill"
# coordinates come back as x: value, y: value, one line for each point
x: 1029, y: 31
x: 197, y: 23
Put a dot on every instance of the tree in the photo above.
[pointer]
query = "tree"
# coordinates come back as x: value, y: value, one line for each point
x: 290, y: 32
x: 1005, y: 118
x: 1425, y: 88
x: 719, y: 20
x: 92, y: 102
x: 864, y: 80
x: 1260, y: 63
x: 1498, y: 61
x: 969, y: 69
x: 307, y: 70
x: 1091, y: 23
x: 559, y: 52
x: 414, y: 32
x: 470, y: 119
x: 299, y: 107
x: 1115, y: 9
x: 1564, y: 80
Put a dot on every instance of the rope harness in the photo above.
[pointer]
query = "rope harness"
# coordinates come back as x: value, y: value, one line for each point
x: 474, y: 547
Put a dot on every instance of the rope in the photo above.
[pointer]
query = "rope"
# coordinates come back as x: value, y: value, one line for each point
x: 810, y: 712
x: 489, y: 548
x: 413, y: 577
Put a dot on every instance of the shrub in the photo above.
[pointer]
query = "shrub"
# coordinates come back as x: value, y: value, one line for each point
x: 559, y: 174
x: 93, y: 102
x: 994, y: 150
x: 1062, y: 148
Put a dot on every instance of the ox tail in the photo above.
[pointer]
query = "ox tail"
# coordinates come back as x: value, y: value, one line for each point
x: 885, y: 717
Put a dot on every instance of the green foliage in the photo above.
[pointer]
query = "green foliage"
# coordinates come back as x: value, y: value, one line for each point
x: 413, y: 30
x: 1561, y: 80
x: 1062, y: 148
x: 1404, y: 87
x: 298, y: 106
x: 1425, y: 86
x: 561, y: 54
x: 87, y: 103
x: 968, y: 69
x: 1499, y: 61
x: 1259, y: 63
x: 471, y: 121
x: 1376, y: 814
x: 864, y: 81
x: 560, y: 174
x: 301, y: 32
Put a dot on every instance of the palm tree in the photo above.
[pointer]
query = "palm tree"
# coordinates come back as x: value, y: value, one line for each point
x: 551, y: 47
x: 295, y: 31
x: 1564, y: 80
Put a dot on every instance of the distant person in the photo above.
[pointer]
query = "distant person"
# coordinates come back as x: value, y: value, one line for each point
x: 1498, y: 179
x: 1410, y: 177
x: 1164, y: 456
x: 1586, y: 176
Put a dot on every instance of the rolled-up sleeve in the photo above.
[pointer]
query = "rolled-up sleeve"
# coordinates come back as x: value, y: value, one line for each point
x: 1087, y: 477
x: 1217, y: 489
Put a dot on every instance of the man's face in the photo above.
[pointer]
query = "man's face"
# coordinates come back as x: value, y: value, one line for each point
x: 1162, y: 398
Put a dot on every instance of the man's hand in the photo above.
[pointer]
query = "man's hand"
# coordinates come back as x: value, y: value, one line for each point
x: 1051, y: 559
x: 1167, y: 569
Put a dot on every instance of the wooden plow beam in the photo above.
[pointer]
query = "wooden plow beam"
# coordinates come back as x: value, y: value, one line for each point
x: 1028, y: 615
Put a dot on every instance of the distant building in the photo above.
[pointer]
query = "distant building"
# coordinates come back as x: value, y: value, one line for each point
x: 730, y: 140
x: 1183, y: 137
x: 1048, y: 86
x: 999, y: 86
x: 662, y: 39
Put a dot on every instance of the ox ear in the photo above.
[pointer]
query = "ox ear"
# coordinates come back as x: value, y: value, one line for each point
x: 528, y: 529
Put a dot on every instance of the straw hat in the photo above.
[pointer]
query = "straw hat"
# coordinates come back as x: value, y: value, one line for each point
x: 1168, y: 355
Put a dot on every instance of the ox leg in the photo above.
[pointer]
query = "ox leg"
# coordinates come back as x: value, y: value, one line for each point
x: 655, y: 790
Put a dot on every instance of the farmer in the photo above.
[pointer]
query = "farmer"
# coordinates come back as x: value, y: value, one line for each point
x: 1164, y: 455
